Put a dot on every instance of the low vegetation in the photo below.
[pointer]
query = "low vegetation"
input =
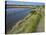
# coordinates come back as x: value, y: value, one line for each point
x: 28, y: 24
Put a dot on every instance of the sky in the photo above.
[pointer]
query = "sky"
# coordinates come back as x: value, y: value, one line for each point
x: 24, y: 3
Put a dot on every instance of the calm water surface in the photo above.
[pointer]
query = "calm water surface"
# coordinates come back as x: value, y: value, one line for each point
x: 13, y: 15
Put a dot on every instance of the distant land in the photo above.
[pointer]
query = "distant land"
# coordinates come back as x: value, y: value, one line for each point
x: 24, y: 3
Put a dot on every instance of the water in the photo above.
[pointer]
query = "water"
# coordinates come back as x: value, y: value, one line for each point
x: 13, y: 15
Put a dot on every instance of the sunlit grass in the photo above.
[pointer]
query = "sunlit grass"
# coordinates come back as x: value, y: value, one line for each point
x: 28, y: 24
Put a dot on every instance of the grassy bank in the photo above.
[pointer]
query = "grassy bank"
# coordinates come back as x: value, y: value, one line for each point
x: 29, y: 23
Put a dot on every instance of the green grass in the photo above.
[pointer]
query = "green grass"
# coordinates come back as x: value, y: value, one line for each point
x: 28, y: 24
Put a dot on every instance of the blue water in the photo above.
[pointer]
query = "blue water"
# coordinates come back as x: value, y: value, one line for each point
x: 13, y: 15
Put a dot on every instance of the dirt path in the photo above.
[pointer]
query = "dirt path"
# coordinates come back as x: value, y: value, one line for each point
x: 40, y: 27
